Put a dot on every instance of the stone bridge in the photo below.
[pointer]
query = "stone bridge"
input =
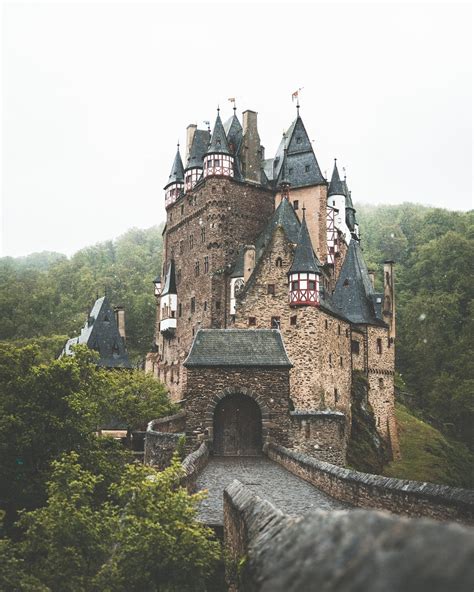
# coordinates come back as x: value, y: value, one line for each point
x: 264, y: 477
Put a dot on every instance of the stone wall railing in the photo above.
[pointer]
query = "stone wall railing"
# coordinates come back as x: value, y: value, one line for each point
x: 170, y: 424
x: 272, y: 552
x: 162, y: 437
x: 411, y: 498
x: 193, y: 464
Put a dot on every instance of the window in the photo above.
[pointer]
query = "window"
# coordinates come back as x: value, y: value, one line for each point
x: 279, y: 262
x: 182, y: 210
x: 298, y: 140
x: 339, y: 329
x: 306, y: 168
x: 336, y: 395
x: 181, y: 247
x: 346, y: 283
x: 196, y: 269
x: 355, y: 347
x: 347, y: 332
x: 326, y: 324
x: 379, y: 346
x: 307, y: 430
x: 218, y: 305
x: 191, y: 241
x: 206, y: 264
x: 296, y: 204
x: 180, y: 310
x: 178, y: 276
x: 275, y: 324
x: 193, y: 304
x: 252, y: 321
x: 293, y: 320
x: 271, y: 289
x: 340, y: 361
x: 294, y: 285
x: 203, y: 235
x: 381, y: 382
x: 330, y: 360
x: 311, y: 284
x: 205, y: 305
x: 290, y: 171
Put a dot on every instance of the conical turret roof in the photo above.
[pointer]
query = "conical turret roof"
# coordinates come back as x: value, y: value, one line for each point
x: 198, y: 149
x: 304, y: 260
x: 336, y: 186
x: 218, y: 144
x: 177, y: 170
x: 170, y: 281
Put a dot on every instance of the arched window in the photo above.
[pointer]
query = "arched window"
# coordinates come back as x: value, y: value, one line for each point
x: 346, y: 283
x: 279, y: 262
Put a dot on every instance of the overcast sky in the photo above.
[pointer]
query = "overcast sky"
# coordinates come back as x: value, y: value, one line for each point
x: 96, y: 95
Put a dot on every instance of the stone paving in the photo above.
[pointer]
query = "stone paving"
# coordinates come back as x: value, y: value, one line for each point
x: 267, y: 479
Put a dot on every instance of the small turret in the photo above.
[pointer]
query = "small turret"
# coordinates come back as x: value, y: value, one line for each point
x: 169, y: 303
x: 198, y: 141
x: 175, y: 184
x: 304, y: 272
x: 218, y: 160
x: 337, y: 192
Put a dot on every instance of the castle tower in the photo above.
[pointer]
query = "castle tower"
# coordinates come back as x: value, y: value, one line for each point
x: 218, y: 160
x: 304, y: 272
x: 175, y: 184
x: 169, y: 303
x: 337, y: 200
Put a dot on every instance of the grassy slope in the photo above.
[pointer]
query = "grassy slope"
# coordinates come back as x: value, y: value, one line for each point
x: 428, y: 456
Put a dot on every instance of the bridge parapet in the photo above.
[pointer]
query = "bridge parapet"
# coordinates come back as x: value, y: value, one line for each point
x: 273, y: 552
x: 410, y: 498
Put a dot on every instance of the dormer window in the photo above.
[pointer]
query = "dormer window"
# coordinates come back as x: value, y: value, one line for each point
x: 298, y: 140
x: 296, y: 204
x: 346, y: 283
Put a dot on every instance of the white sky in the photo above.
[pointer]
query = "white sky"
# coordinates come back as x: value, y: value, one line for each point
x: 96, y: 95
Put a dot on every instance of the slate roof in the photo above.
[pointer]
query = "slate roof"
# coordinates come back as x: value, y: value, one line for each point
x: 283, y: 216
x: 304, y: 259
x: 101, y: 334
x: 238, y: 347
x: 170, y: 280
x: 299, y: 157
x: 233, y: 131
x: 218, y: 144
x: 354, y: 295
x: 198, y: 149
x: 177, y: 171
x: 336, y: 186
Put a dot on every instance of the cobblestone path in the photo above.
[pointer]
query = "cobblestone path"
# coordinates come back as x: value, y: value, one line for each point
x: 267, y: 479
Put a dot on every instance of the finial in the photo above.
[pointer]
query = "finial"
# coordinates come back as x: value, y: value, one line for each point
x: 178, y: 145
x: 335, y: 161
x: 304, y: 211
x: 218, y: 109
x: 298, y: 107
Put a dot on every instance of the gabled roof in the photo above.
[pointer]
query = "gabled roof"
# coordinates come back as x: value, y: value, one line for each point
x: 177, y: 170
x: 283, y: 216
x: 304, y: 259
x: 336, y: 186
x: 354, y: 294
x: 218, y: 144
x: 170, y: 280
x: 198, y: 149
x: 233, y: 130
x: 101, y: 334
x: 238, y: 347
x: 299, y: 162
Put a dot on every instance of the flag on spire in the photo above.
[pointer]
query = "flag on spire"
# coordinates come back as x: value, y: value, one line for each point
x: 296, y: 94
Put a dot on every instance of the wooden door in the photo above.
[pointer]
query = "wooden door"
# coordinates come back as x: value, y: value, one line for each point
x: 237, y: 427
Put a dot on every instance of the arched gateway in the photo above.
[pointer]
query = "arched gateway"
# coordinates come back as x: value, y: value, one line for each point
x: 237, y: 426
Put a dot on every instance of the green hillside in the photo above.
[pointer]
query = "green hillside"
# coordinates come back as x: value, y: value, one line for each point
x: 428, y: 456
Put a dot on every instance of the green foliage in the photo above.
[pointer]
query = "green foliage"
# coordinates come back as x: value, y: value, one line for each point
x: 48, y: 348
x: 48, y: 294
x: 47, y: 410
x: 434, y: 250
x: 143, y: 537
x: 427, y: 455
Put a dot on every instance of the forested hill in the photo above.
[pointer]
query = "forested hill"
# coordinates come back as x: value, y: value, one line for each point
x: 47, y: 294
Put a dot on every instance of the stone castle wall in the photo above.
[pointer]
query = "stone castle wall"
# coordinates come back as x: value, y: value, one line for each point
x: 317, y: 343
x: 269, y: 551
x: 319, y: 434
x: 269, y: 387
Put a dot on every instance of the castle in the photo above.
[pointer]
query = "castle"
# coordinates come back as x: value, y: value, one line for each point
x: 266, y: 307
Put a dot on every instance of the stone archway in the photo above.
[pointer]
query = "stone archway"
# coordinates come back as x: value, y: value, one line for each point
x: 237, y: 426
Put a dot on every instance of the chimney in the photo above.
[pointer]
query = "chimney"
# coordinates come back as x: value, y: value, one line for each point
x: 249, y: 261
x: 372, y: 277
x: 251, y: 155
x: 388, y: 309
x: 190, y: 131
x: 120, y: 320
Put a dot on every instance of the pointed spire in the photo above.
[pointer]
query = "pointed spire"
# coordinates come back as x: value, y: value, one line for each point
x: 170, y: 280
x: 304, y: 260
x: 177, y: 170
x: 336, y: 186
x: 218, y: 144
